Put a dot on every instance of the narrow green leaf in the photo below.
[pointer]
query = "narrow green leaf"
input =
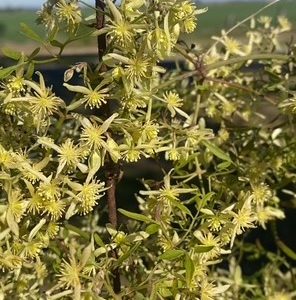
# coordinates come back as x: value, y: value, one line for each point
x: 8, y: 52
x: 217, y: 151
x: 12, y: 224
x: 30, y: 70
x: 115, y: 12
x: 152, y: 228
x: 202, y: 248
x: 171, y: 254
x: 78, y: 231
x: 30, y: 33
x: 34, y: 53
x: 127, y: 254
x: 98, y: 240
x: 288, y: 251
x: 7, y: 71
x: 181, y: 206
x: 223, y: 165
x: 189, y: 267
x: 135, y: 216
x: 56, y: 43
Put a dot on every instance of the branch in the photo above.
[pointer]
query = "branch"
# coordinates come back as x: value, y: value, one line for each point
x: 112, y: 171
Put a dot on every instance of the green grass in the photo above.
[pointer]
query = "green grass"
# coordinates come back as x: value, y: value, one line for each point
x: 218, y: 17
x: 226, y: 15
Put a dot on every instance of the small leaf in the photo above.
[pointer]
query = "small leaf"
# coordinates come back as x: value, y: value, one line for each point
x: 98, y: 240
x: 16, y: 55
x: 56, y: 43
x: 217, y: 151
x: 12, y: 224
x: 127, y: 254
x: 171, y: 254
x: 86, y: 253
x: 223, y: 165
x: 34, y: 53
x: 135, y: 216
x: 35, y: 230
x: 181, y: 206
x: 114, y: 10
x: 7, y: 71
x: 152, y: 228
x: 78, y: 231
x: 30, y: 33
x: 30, y: 70
x: 189, y: 267
x: 202, y: 248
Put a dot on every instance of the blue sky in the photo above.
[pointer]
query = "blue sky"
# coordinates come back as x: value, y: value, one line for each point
x: 38, y: 3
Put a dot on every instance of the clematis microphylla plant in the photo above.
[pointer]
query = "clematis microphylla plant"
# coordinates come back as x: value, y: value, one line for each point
x: 61, y: 161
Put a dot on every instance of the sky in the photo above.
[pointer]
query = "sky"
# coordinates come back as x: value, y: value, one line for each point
x: 37, y: 3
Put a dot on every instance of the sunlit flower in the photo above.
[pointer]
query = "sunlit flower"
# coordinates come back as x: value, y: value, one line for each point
x: 91, y: 97
x: 189, y: 25
x: 284, y: 23
x: 93, y: 135
x: 173, y: 101
x: 69, y: 273
x: 16, y: 85
x: 265, y: 21
x: 16, y: 204
x: 54, y: 209
x: 243, y: 219
x: 137, y: 68
x: 49, y: 190
x: 261, y: 194
x: 88, y: 195
x: 121, y: 31
x: 173, y: 154
x: 69, y: 11
x: 268, y: 213
x: 208, y: 291
x: 10, y: 261
x: 69, y: 154
x: 32, y: 249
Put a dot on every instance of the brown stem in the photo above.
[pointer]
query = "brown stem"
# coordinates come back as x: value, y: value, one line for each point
x: 100, y: 18
x: 112, y: 177
x: 112, y: 171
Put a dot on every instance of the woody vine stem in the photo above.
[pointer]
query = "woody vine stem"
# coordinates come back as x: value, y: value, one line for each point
x: 112, y: 170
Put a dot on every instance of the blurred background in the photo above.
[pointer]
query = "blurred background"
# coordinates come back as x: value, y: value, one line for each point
x: 221, y: 14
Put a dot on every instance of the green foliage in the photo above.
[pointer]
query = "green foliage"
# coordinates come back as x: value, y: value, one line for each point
x: 58, y: 162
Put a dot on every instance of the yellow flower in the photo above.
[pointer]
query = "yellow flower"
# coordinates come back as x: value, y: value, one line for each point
x: 91, y: 97
x: 243, y: 219
x: 173, y: 101
x: 208, y: 291
x: 261, y: 194
x: 5, y: 158
x: 32, y: 249
x: 266, y: 214
x: 16, y: 204
x: 189, y: 25
x: 132, y: 155
x: 69, y: 154
x: 121, y: 31
x: 10, y: 261
x: 69, y: 273
x: 173, y: 154
x: 88, y: 195
x: 49, y: 190
x: 54, y: 209
x: 69, y: 12
x: 284, y: 23
x: 92, y: 134
x: 137, y: 68
x: 16, y: 85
